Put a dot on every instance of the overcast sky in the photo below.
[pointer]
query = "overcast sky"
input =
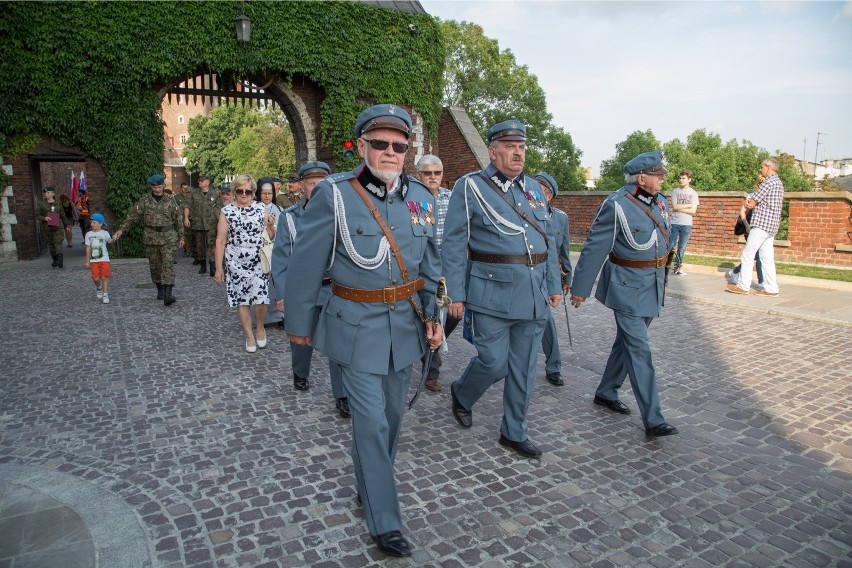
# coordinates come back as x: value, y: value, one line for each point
x: 772, y: 73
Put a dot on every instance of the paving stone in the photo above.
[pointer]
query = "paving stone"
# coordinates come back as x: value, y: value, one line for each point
x: 227, y: 465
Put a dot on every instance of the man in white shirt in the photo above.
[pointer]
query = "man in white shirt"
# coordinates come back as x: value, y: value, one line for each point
x: 684, y: 206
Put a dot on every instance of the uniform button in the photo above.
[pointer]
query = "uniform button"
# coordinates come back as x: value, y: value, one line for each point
x: 490, y: 275
x: 393, y: 308
x: 531, y: 247
x: 390, y: 200
x: 360, y: 231
x: 393, y: 281
x: 525, y: 225
x: 393, y: 227
x: 338, y: 314
x: 425, y: 231
x: 519, y: 203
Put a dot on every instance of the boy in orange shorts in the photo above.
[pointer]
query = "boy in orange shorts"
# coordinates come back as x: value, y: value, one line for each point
x: 97, y: 255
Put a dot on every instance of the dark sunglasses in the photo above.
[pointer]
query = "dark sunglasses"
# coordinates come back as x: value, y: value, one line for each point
x: 436, y: 173
x: 243, y: 191
x: 382, y: 145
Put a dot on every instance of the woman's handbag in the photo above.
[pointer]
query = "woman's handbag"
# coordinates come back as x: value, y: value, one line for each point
x: 266, y: 254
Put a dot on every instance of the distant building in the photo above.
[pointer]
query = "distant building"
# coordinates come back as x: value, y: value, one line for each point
x: 830, y: 168
x: 591, y: 180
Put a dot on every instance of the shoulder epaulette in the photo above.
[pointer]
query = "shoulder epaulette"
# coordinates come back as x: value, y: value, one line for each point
x: 339, y: 176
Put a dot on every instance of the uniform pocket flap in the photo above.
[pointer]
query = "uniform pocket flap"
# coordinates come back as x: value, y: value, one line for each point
x: 495, y: 273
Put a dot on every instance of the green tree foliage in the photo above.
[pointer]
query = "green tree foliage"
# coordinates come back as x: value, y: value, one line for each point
x: 492, y: 87
x: 715, y: 166
x: 612, y: 170
x: 235, y: 139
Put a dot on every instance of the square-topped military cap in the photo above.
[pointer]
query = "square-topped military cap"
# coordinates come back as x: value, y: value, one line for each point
x: 646, y: 163
x: 383, y: 116
x: 314, y: 168
x: 508, y: 130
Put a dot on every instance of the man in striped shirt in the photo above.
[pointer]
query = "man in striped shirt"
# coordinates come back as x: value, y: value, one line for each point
x: 766, y: 201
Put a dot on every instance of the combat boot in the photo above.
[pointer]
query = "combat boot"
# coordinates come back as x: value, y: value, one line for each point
x: 55, y: 261
x: 160, y: 292
x: 212, y: 269
x: 168, y: 299
x: 203, y: 268
x: 59, y: 261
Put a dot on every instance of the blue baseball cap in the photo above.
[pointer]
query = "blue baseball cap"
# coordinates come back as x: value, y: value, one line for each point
x: 646, y: 163
x: 314, y: 168
x: 547, y: 178
x: 383, y: 116
x: 157, y: 179
x: 99, y: 218
x: 511, y: 129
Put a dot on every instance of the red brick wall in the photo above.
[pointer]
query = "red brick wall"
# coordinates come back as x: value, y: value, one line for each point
x: 452, y: 148
x: 818, y: 222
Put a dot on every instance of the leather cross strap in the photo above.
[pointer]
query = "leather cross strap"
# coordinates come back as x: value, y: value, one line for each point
x: 377, y: 216
x: 646, y: 211
x: 518, y: 211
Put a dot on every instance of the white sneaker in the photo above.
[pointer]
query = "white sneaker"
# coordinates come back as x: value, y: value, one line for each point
x: 106, y: 299
x: 100, y: 293
x: 680, y: 272
x: 731, y: 277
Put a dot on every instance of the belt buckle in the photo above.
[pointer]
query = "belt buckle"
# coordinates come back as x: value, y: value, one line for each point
x: 530, y: 261
x: 659, y: 263
x: 392, y: 291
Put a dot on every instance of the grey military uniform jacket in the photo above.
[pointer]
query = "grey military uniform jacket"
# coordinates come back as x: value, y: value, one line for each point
x: 622, y: 228
x: 512, y: 291
x: 562, y: 241
x: 362, y: 335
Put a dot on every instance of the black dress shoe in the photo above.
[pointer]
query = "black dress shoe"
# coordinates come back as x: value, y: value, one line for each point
x: 393, y: 544
x: 664, y: 429
x: 342, y: 405
x: 300, y: 383
x: 614, y: 405
x: 555, y: 379
x: 525, y: 448
x: 462, y: 414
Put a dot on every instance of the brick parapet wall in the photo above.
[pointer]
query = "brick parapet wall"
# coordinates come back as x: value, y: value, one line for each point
x: 820, y: 225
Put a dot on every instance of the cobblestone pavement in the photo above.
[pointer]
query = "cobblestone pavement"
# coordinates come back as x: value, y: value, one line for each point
x: 222, y: 463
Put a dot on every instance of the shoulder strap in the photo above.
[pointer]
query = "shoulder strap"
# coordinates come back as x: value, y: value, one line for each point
x: 374, y: 211
x: 647, y: 211
x: 523, y: 215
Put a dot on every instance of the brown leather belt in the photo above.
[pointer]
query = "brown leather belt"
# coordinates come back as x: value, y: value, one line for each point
x: 530, y: 260
x: 389, y: 295
x: 656, y: 263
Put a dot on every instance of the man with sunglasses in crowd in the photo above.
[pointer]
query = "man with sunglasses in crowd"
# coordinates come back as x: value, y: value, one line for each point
x: 498, y: 264
x: 430, y: 172
x: 372, y: 231
x: 630, y: 239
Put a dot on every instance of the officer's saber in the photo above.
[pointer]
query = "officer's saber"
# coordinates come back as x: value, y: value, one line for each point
x: 441, y: 302
x: 567, y: 321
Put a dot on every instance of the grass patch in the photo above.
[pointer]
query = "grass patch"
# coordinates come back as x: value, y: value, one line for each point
x: 805, y: 270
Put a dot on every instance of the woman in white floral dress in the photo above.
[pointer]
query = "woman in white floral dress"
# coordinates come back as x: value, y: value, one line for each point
x: 238, y: 240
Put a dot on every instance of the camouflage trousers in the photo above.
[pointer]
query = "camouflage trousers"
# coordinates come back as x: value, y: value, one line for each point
x: 189, y: 241
x: 54, y: 237
x: 161, y: 263
x: 205, y: 244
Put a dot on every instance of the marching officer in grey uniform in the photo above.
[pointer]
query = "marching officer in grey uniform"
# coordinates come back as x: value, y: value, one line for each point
x: 285, y: 235
x: 562, y: 242
x: 498, y: 264
x: 160, y: 214
x: 380, y: 315
x: 630, y: 238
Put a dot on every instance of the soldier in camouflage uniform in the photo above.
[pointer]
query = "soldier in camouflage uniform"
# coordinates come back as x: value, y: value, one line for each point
x: 200, y: 213
x: 212, y: 221
x: 163, y: 235
x: 54, y: 233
